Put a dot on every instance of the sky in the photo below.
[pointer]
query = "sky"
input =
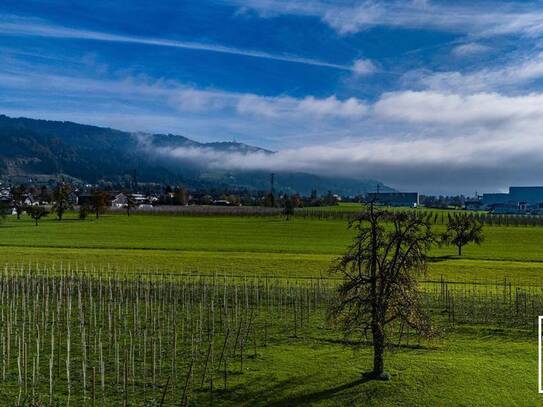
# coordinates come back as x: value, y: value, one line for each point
x: 439, y: 97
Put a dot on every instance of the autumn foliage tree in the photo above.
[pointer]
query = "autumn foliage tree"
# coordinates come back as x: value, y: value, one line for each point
x: 380, y: 278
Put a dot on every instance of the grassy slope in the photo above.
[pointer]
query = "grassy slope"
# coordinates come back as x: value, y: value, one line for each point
x: 248, y: 245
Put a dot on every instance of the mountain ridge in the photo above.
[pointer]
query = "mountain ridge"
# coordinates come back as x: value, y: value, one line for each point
x: 92, y: 153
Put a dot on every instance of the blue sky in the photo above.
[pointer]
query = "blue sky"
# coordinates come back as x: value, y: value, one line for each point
x: 433, y: 96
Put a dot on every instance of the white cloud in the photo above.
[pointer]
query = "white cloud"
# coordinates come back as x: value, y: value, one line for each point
x: 446, y: 143
x: 432, y: 141
x: 470, y: 49
x: 187, y: 99
x: 331, y: 106
x: 363, y: 67
x: 446, y: 164
x: 348, y: 20
x: 511, y: 74
x: 196, y: 100
x: 488, y: 19
x: 482, y: 109
x: 261, y: 106
x: 291, y: 108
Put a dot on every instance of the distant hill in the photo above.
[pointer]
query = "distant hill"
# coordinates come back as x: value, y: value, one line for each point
x: 91, y: 153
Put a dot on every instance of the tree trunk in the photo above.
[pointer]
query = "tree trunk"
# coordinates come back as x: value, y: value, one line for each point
x: 378, y: 350
x: 459, y: 250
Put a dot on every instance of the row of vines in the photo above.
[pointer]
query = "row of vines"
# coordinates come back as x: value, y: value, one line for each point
x: 69, y: 337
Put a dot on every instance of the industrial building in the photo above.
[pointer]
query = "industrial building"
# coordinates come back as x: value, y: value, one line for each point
x: 518, y: 200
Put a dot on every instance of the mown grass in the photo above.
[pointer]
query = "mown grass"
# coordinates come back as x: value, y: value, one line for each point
x: 244, y: 245
x: 468, y: 366
x: 471, y: 367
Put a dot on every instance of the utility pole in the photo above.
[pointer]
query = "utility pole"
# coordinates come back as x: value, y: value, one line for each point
x: 376, y: 193
x: 134, y: 186
x: 272, y: 189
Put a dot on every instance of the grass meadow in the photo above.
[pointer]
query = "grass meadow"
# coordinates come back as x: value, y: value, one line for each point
x: 249, y: 245
x: 478, y: 359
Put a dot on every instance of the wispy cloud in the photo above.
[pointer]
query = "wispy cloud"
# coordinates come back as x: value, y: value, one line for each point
x: 186, y: 98
x: 480, y: 109
x: 511, y: 73
x: 490, y: 18
x: 470, y: 49
x: 10, y: 25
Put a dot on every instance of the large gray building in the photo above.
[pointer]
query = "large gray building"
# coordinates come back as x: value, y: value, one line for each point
x: 518, y: 197
x: 529, y: 195
x: 495, y: 199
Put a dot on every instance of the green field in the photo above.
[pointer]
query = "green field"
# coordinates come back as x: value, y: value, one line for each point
x: 469, y: 365
x: 245, y: 245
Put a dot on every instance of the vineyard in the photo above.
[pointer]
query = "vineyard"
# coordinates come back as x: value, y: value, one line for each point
x: 340, y: 212
x: 74, y: 337
x: 103, y: 337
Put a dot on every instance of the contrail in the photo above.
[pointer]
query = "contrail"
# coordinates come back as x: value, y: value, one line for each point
x: 53, y: 31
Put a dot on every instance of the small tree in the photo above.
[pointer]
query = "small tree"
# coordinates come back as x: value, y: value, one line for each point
x: 18, y: 196
x: 4, y: 210
x: 37, y: 212
x: 99, y: 201
x: 461, y: 230
x: 84, y: 211
x: 380, y: 271
x: 45, y: 195
x: 181, y: 196
x: 61, y: 201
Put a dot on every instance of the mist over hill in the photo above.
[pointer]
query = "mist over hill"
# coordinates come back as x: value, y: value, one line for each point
x: 91, y: 154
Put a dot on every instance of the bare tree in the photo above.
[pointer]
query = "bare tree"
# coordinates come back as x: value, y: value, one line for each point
x: 461, y: 230
x: 37, y: 212
x: 380, y: 270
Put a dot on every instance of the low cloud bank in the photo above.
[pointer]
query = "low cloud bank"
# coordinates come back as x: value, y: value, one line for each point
x: 445, y: 165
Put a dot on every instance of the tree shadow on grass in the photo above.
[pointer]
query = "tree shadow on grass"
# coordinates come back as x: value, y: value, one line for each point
x: 252, y: 393
x: 437, y: 259
x: 320, y: 395
x: 356, y: 343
